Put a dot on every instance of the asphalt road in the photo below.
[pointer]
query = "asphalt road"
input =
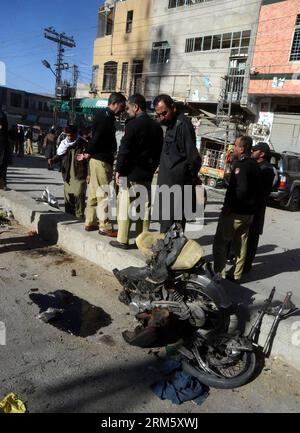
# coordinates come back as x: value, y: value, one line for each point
x: 94, y: 370
x: 278, y: 257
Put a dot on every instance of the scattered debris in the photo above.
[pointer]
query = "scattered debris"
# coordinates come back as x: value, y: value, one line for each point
x: 6, y: 217
x: 11, y: 404
x: 23, y: 275
x: 32, y: 233
x: 178, y: 386
x: 35, y: 289
x: 48, y: 198
x: 71, y: 314
x: 49, y: 314
x: 73, y: 273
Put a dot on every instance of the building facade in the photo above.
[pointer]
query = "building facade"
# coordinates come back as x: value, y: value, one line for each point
x: 121, y: 49
x: 201, y: 50
x: 27, y: 108
x: 274, y: 87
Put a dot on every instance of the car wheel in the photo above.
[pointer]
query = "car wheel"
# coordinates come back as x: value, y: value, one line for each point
x: 294, y: 202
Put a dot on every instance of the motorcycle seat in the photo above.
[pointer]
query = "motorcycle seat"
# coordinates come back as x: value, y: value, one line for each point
x: 189, y: 256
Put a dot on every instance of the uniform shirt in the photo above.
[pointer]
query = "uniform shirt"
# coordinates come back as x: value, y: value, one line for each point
x: 242, y: 195
x: 140, y: 149
x: 103, y: 144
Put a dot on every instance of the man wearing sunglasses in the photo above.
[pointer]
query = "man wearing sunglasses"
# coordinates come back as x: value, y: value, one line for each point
x: 180, y: 161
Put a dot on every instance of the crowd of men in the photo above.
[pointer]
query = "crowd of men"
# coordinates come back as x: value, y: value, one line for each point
x: 88, y: 160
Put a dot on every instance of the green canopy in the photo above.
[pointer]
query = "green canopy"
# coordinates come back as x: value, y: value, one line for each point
x: 82, y: 106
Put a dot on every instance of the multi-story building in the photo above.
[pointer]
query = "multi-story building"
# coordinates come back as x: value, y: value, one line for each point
x: 200, y: 50
x: 274, y: 87
x: 28, y: 108
x: 121, y: 48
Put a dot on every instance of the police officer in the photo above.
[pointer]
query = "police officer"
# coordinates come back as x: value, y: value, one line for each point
x: 261, y: 154
x: 239, y: 208
x: 100, y: 152
x: 137, y: 161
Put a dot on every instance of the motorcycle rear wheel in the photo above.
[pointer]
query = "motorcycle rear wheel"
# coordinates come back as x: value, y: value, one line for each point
x: 235, y: 374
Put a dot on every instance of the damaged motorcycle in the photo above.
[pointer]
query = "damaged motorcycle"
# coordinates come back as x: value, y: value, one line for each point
x: 177, y: 286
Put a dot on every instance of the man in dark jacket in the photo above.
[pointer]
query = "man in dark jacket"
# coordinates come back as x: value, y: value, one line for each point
x: 261, y: 154
x: 137, y: 161
x: 239, y: 207
x: 179, y: 163
x: 74, y: 172
x: 5, y: 153
x: 100, y: 152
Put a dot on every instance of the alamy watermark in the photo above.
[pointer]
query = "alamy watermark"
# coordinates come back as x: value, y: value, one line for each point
x: 2, y: 334
x: 156, y: 203
x: 2, y: 74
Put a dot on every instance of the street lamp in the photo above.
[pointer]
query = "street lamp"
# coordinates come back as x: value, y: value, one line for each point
x: 48, y: 66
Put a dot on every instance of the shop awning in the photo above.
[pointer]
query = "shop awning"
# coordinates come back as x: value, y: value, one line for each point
x: 90, y: 103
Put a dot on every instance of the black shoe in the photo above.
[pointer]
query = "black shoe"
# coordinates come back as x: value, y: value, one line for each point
x: 232, y: 279
x: 120, y: 245
x: 247, y: 269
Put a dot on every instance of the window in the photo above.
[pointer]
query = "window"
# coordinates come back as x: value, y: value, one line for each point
x: 189, y: 45
x: 26, y: 103
x: 226, y: 41
x: 110, y: 76
x: 129, y: 21
x: 207, y: 43
x: 177, y: 3
x: 46, y: 108
x: 137, y: 76
x: 216, y: 42
x: 295, y: 53
x: 108, y: 27
x: 105, y: 21
x: 198, y: 44
x: 40, y: 106
x: 236, y: 37
x: 160, y: 52
x: 238, y: 42
x: 124, y: 77
x: 293, y: 164
x: 245, y: 38
x: 15, y: 99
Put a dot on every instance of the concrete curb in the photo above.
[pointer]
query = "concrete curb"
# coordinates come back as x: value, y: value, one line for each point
x: 56, y: 227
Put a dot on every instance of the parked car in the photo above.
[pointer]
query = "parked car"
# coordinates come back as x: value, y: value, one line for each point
x: 286, y: 189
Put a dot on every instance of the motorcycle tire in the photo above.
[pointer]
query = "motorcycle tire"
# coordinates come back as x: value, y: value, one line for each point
x: 225, y: 382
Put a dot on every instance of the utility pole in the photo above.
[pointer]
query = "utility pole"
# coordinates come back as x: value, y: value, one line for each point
x: 62, y: 40
x: 75, y: 76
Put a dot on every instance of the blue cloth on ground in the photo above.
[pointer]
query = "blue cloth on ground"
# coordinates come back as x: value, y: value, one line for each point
x: 179, y: 386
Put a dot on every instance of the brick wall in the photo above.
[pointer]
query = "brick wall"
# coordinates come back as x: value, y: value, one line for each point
x: 273, y: 47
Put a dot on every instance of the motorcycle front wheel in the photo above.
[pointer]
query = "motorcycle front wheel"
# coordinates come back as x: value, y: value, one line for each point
x: 220, y: 369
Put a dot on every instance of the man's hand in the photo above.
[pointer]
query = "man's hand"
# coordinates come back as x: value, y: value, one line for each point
x: 118, y: 180
x: 83, y: 156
